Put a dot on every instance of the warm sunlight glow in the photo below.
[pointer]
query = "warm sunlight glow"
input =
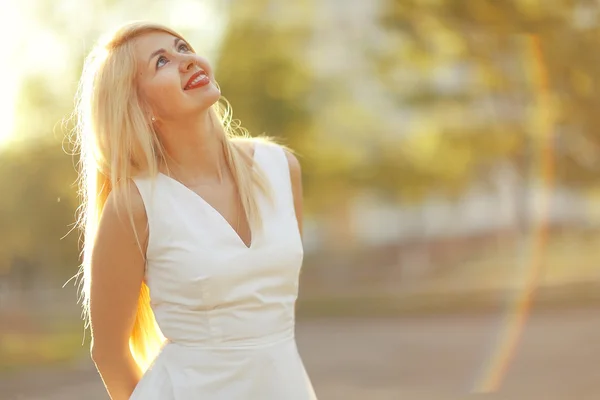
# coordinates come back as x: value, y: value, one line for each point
x: 10, y: 21
x: 203, y: 22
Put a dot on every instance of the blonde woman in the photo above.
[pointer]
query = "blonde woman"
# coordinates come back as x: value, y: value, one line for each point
x: 192, y: 232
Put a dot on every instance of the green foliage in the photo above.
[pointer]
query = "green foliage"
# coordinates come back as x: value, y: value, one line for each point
x: 37, y: 205
x: 260, y: 71
x: 491, y: 41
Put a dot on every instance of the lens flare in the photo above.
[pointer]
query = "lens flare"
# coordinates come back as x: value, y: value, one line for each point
x: 519, y: 306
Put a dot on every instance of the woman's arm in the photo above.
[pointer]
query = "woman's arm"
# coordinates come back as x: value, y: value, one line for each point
x: 117, y: 271
x: 296, y: 177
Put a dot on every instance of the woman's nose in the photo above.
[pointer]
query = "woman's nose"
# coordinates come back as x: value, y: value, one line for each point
x: 186, y: 64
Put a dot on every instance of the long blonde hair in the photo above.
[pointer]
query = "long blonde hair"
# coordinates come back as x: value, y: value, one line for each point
x: 116, y: 142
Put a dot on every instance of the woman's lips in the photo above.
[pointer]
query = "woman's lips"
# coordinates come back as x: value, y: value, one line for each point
x: 197, y: 80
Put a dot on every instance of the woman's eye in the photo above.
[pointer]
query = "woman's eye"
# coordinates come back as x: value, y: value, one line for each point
x: 162, y: 60
x: 183, y: 47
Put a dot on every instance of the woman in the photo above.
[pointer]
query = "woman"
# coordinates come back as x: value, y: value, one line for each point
x: 192, y: 234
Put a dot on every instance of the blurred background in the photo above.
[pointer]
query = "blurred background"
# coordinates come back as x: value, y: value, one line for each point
x: 451, y: 157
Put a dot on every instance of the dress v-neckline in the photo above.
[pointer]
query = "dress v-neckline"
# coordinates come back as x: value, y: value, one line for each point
x: 214, y: 211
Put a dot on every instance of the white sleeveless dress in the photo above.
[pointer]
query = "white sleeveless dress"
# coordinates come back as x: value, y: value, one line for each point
x: 226, y: 309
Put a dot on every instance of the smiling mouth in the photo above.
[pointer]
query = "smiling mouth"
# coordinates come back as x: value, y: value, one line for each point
x: 197, y: 80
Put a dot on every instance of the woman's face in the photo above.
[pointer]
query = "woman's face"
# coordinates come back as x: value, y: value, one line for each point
x: 173, y: 80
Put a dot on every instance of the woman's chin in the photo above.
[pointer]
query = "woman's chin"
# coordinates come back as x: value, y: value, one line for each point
x: 205, y: 97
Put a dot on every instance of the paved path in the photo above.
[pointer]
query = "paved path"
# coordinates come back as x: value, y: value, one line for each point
x: 429, y: 358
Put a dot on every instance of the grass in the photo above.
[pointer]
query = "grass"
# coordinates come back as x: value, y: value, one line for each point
x: 429, y: 303
x: 564, y: 260
x: 62, y: 344
x: 569, y: 277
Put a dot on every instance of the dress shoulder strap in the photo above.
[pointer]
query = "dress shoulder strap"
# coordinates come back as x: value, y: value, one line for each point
x: 146, y: 188
x: 273, y: 162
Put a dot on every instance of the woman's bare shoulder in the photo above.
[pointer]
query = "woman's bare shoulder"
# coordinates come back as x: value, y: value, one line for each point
x: 125, y: 195
x: 123, y: 203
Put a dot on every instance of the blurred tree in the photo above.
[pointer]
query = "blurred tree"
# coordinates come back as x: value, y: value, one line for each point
x: 36, y: 209
x: 263, y: 71
x: 271, y: 69
x: 467, y: 65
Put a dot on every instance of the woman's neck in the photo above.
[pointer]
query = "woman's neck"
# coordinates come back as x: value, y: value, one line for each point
x: 194, y: 149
